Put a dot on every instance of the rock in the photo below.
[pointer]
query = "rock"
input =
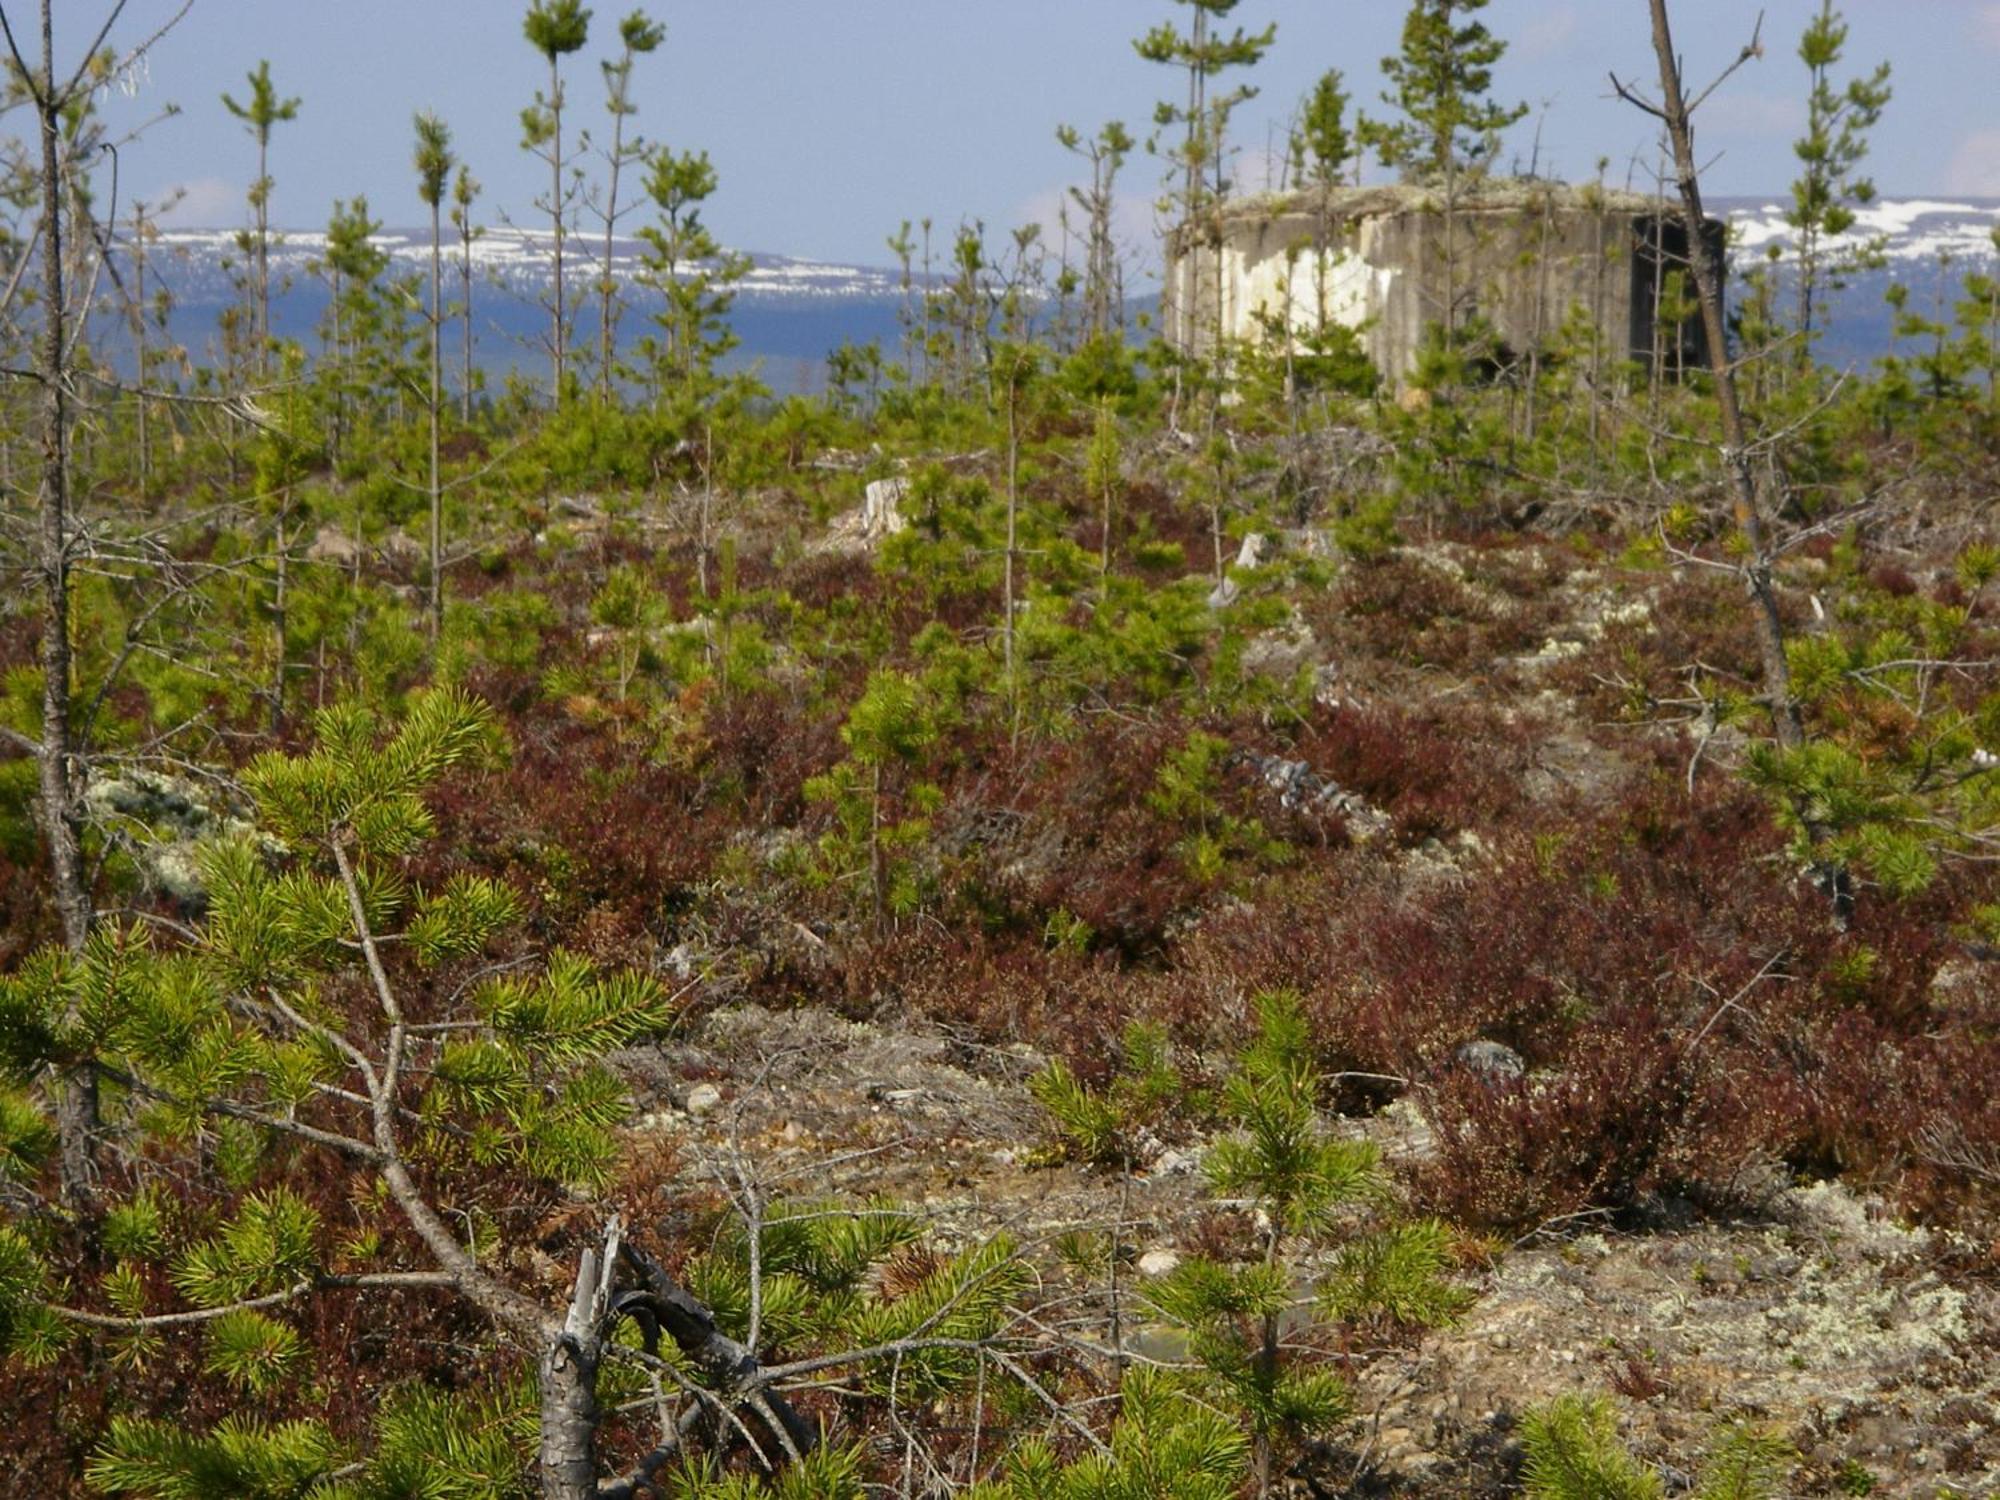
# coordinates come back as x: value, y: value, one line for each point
x: 1301, y: 789
x: 163, y: 819
x: 882, y: 509
x: 1175, y: 1164
x: 1959, y: 982
x: 1161, y: 1260
x: 684, y: 962
x: 880, y: 516
x: 1403, y: 1133
x: 332, y: 545
x: 1224, y: 594
x: 1493, y: 1061
x: 1254, y: 550
x: 703, y: 1099
x: 1278, y: 655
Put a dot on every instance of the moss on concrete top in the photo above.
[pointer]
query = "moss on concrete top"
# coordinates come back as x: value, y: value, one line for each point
x: 1488, y: 195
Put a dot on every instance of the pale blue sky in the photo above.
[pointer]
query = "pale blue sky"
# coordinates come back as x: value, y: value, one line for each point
x: 830, y: 122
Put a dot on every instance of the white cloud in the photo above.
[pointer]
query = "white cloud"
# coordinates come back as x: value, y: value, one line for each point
x: 1753, y: 115
x: 205, y: 203
x: 1134, y: 224
x: 1975, y: 165
x: 1549, y: 34
x: 1986, y: 26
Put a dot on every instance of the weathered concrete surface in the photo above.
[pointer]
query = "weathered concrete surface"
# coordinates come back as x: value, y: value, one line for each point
x: 1390, y: 262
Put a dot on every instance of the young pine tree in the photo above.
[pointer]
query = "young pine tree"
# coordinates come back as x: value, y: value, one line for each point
x: 1106, y: 151
x: 638, y: 36
x: 692, y: 274
x: 360, y: 328
x: 1104, y: 473
x: 555, y: 29
x: 1573, y: 1453
x: 1450, y: 125
x: 888, y: 732
x: 1204, y: 53
x: 1169, y: 1444
x: 1113, y: 1127
x: 1324, y: 148
x: 1440, y: 84
x: 261, y: 114
x: 434, y: 163
x: 1830, y: 185
x: 464, y: 193
x: 1303, y: 1181
x: 303, y: 1021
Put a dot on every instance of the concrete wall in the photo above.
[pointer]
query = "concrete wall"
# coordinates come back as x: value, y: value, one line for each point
x: 1380, y: 260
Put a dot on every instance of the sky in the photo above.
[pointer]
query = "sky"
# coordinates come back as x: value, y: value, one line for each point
x: 829, y: 123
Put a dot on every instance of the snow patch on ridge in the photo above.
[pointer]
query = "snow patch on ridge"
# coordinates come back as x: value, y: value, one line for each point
x: 1915, y: 229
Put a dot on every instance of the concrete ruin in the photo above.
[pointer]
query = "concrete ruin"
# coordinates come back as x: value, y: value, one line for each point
x: 1388, y: 261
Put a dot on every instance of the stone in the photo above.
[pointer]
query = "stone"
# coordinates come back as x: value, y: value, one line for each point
x: 1224, y: 594
x: 1301, y: 789
x: 1959, y: 982
x: 1254, y: 551
x: 703, y: 1099
x: 1492, y: 1061
x: 880, y: 517
x: 164, y: 820
x: 1161, y: 1260
x: 1278, y: 655
x: 332, y: 545
x: 882, y: 509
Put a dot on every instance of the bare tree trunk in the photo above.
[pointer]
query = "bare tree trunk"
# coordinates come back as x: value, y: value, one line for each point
x: 556, y: 212
x: 1013, y: 516
x: 1535, y: 345
x: 279, y: 668
x: 1451, y: 251
x: 263, y: 259
x: 569, y: 1365
x: 337, y: 414
x: 878, y: 864
x: 1597, y: 327
x: 574, y: 1352
x: 1657, y: 358
x: 436, y: 413
x: 706, y: 549
x: 608, y: 290
x: 1705, y: 260
x: 145, y: 355
x: 465, y: 313
x: 1104, y: 547
x: 60, y: 770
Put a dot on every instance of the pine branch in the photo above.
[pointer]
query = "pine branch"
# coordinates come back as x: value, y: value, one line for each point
x: 346, y: 1145
x: 372, y: 1281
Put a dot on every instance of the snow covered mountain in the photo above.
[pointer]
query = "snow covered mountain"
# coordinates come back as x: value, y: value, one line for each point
x: 1928, y: 245
x: 197, y: 265
x: 791, y: 313
x: 1914, y: 232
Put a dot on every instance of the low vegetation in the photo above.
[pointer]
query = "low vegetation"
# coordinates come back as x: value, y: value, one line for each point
x: 1426, y: 829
